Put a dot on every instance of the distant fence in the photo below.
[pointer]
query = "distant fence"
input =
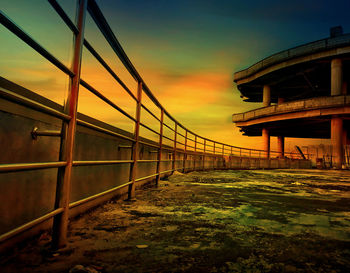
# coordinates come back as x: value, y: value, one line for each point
x: 57, y: 163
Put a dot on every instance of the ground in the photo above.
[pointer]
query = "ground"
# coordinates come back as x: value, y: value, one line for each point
x: 215, y: 221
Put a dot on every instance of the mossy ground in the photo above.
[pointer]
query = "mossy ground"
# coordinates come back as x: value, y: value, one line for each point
x: 217, y: 221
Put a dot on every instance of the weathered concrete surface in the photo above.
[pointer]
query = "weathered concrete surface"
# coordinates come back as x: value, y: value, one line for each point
x: 299, y: 109
x: 217, y: 221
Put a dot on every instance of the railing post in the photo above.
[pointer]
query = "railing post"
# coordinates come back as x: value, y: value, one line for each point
x: 60, y: 223
x: 204, y: 148
x: 174, y: 153
x: 195, y: 152
x: 223, y: 154
x: 214, y: 148
x: 185, y: 152
x: 160, y: 146
x: 135, y: 146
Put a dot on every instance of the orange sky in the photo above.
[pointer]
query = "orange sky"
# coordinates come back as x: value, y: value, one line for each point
x: 186, y: 55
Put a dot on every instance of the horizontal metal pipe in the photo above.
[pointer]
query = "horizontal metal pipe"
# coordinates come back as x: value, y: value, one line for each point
x: 167, y: 171
x: 82, y: 201
x: 103, y: 130
x: 167, y: 148
x: 166, y: 125
x: 36, y: 132
x: 149, y: 144
x: 145, y: 177
x: 64, y: 16
x: 168, y: 138
x: 29, y: 225
x: 149, y: 128
x: 147, y: 160
x: 11, y: 96
x: 124, y: 147
x: 105, y: 99
x: 100, y: 162
x: 11, y: 26
x: 150, y: 112
x: 108, y: 68
x: 30, y: 166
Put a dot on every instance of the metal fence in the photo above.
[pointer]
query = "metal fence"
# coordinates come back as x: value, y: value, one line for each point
x: 205, y: 149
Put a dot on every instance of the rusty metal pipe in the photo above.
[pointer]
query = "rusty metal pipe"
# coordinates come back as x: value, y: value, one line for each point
x: 135, y: 149
x: 160, y: 143
x: 60, y: 225
x: 36, y: 132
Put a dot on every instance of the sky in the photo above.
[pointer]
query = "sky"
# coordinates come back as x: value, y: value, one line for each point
x: 186, y: 52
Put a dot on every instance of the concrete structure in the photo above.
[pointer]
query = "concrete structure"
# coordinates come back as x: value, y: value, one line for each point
x: 303, y: 91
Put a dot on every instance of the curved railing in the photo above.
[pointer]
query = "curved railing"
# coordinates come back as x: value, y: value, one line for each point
x: 202, y: 149
x: 312, y: 47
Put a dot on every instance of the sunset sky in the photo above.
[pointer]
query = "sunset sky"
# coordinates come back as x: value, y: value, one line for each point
x: 186, y: 51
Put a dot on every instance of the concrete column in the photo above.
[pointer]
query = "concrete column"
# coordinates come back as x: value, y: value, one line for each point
x: 336, y: 77
x: 337, y: 141
x: 266, y: 96
x: 280, y: 146
x: 266, y: 142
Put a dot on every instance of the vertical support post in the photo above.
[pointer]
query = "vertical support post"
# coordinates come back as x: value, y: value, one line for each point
x: 266, y: 96
x: 160, y: 143
x: 185, y: 153
x: 214, y: 157
x: 280, y: 146
x: 337, y: 141
x: 60, y: 223
x: 266, y: 142
x: 195, y: 152
x: 204, y: 150
x: 223, y: 154
x: 336, y: 77
x: 135, y: 146
x: 174, y: 152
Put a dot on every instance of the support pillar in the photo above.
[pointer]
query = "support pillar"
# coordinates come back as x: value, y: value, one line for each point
x: 336, y: 77
x: 266, y: 142
x: 337, y: 141
x: 280, y: 146
x: 266, y: 96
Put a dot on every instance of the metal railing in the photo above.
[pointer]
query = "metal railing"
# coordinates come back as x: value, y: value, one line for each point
x: 312, y: 47
x: 211, y: 150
